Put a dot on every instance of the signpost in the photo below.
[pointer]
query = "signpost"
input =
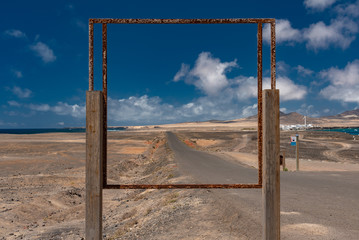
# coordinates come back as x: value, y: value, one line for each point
x: 294, y: 141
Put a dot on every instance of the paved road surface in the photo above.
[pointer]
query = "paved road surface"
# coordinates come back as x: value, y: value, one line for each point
x: 314, y: 205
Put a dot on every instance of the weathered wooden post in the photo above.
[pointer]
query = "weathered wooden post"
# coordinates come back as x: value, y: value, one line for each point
x: 94, y: 154
x: 271, y: 166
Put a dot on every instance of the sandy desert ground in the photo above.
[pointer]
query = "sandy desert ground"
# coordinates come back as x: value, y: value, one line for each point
x: 42, y: 179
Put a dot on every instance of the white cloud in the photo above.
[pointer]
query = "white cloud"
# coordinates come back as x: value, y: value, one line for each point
x: 282, y: 67
x: 142, y: 109
x: 236, y: 99
x: 249, y: 110
x: 39, y: 107
x: 181, y: 73
x: 304, y: 71
x: 60, y: 108
x: 151, y: 110
x: 15, y: 33
x: 75, y: 110
x: 344, y: 83
x: 21, y: 93
x: 206, y: 108
x: 318, y: 5
x: 246, y: 88
x: 61, y: 123
x: 284, y: 32
x: 341, y: 32
x: 349, y: 9
x: 288, y: 90
x: 208, y: 74
x: 14, y: 104
x: 43, y: 51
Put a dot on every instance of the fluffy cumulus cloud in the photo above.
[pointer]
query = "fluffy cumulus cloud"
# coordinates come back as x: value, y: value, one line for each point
x: 237, y: 98
x: 318, y: 5
x: 142, y: 109
x: 208, y: 74
x: 343, y: 85
x: 44, y: 52
x: 284, y: 32
x: 151, y: 110
x: 287, y: 88
x: 15, y: 33
x: 341, y: 32
x: 61, y: 108
x: 74, y: 110
x: 348, y: 9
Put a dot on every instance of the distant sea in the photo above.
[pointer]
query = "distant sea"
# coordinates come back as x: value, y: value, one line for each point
x: 352, y: 131
x: 51, y: 130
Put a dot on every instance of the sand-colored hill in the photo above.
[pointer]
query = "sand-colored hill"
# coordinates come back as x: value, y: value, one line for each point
x: 345, y: 119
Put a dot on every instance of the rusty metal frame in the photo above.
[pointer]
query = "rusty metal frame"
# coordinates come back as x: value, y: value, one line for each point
x: 258, y: 21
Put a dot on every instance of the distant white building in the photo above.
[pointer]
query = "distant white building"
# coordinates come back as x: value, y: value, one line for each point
x: 296, y: 127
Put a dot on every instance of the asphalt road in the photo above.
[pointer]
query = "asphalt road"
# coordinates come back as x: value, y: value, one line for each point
x: 314, y: 205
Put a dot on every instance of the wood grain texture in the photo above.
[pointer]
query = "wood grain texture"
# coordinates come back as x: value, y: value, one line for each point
x: 94, y: 154
x: 271, y: 166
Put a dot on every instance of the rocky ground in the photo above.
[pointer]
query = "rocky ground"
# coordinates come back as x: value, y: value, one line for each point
x: 42, y: 196
x: 42, y: 179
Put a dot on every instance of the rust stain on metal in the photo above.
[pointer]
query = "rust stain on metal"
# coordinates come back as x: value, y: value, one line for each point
x: 260, y: 118
x: 91, y: 83
x: 273, y: 72
x: 106, y: 21
x: 182, y: 186
x: 104, y: 89
x: 182, y: 21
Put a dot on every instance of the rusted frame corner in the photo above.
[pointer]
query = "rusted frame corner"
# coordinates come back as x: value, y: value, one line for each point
x: 258, y: 21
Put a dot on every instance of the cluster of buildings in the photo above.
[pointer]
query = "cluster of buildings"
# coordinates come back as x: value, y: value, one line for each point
x: 296, y: 127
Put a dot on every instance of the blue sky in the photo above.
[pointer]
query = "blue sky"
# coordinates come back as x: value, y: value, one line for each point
x: 174, y: 73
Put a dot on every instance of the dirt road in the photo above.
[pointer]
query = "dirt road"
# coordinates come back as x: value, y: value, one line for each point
x: 314, y: 205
